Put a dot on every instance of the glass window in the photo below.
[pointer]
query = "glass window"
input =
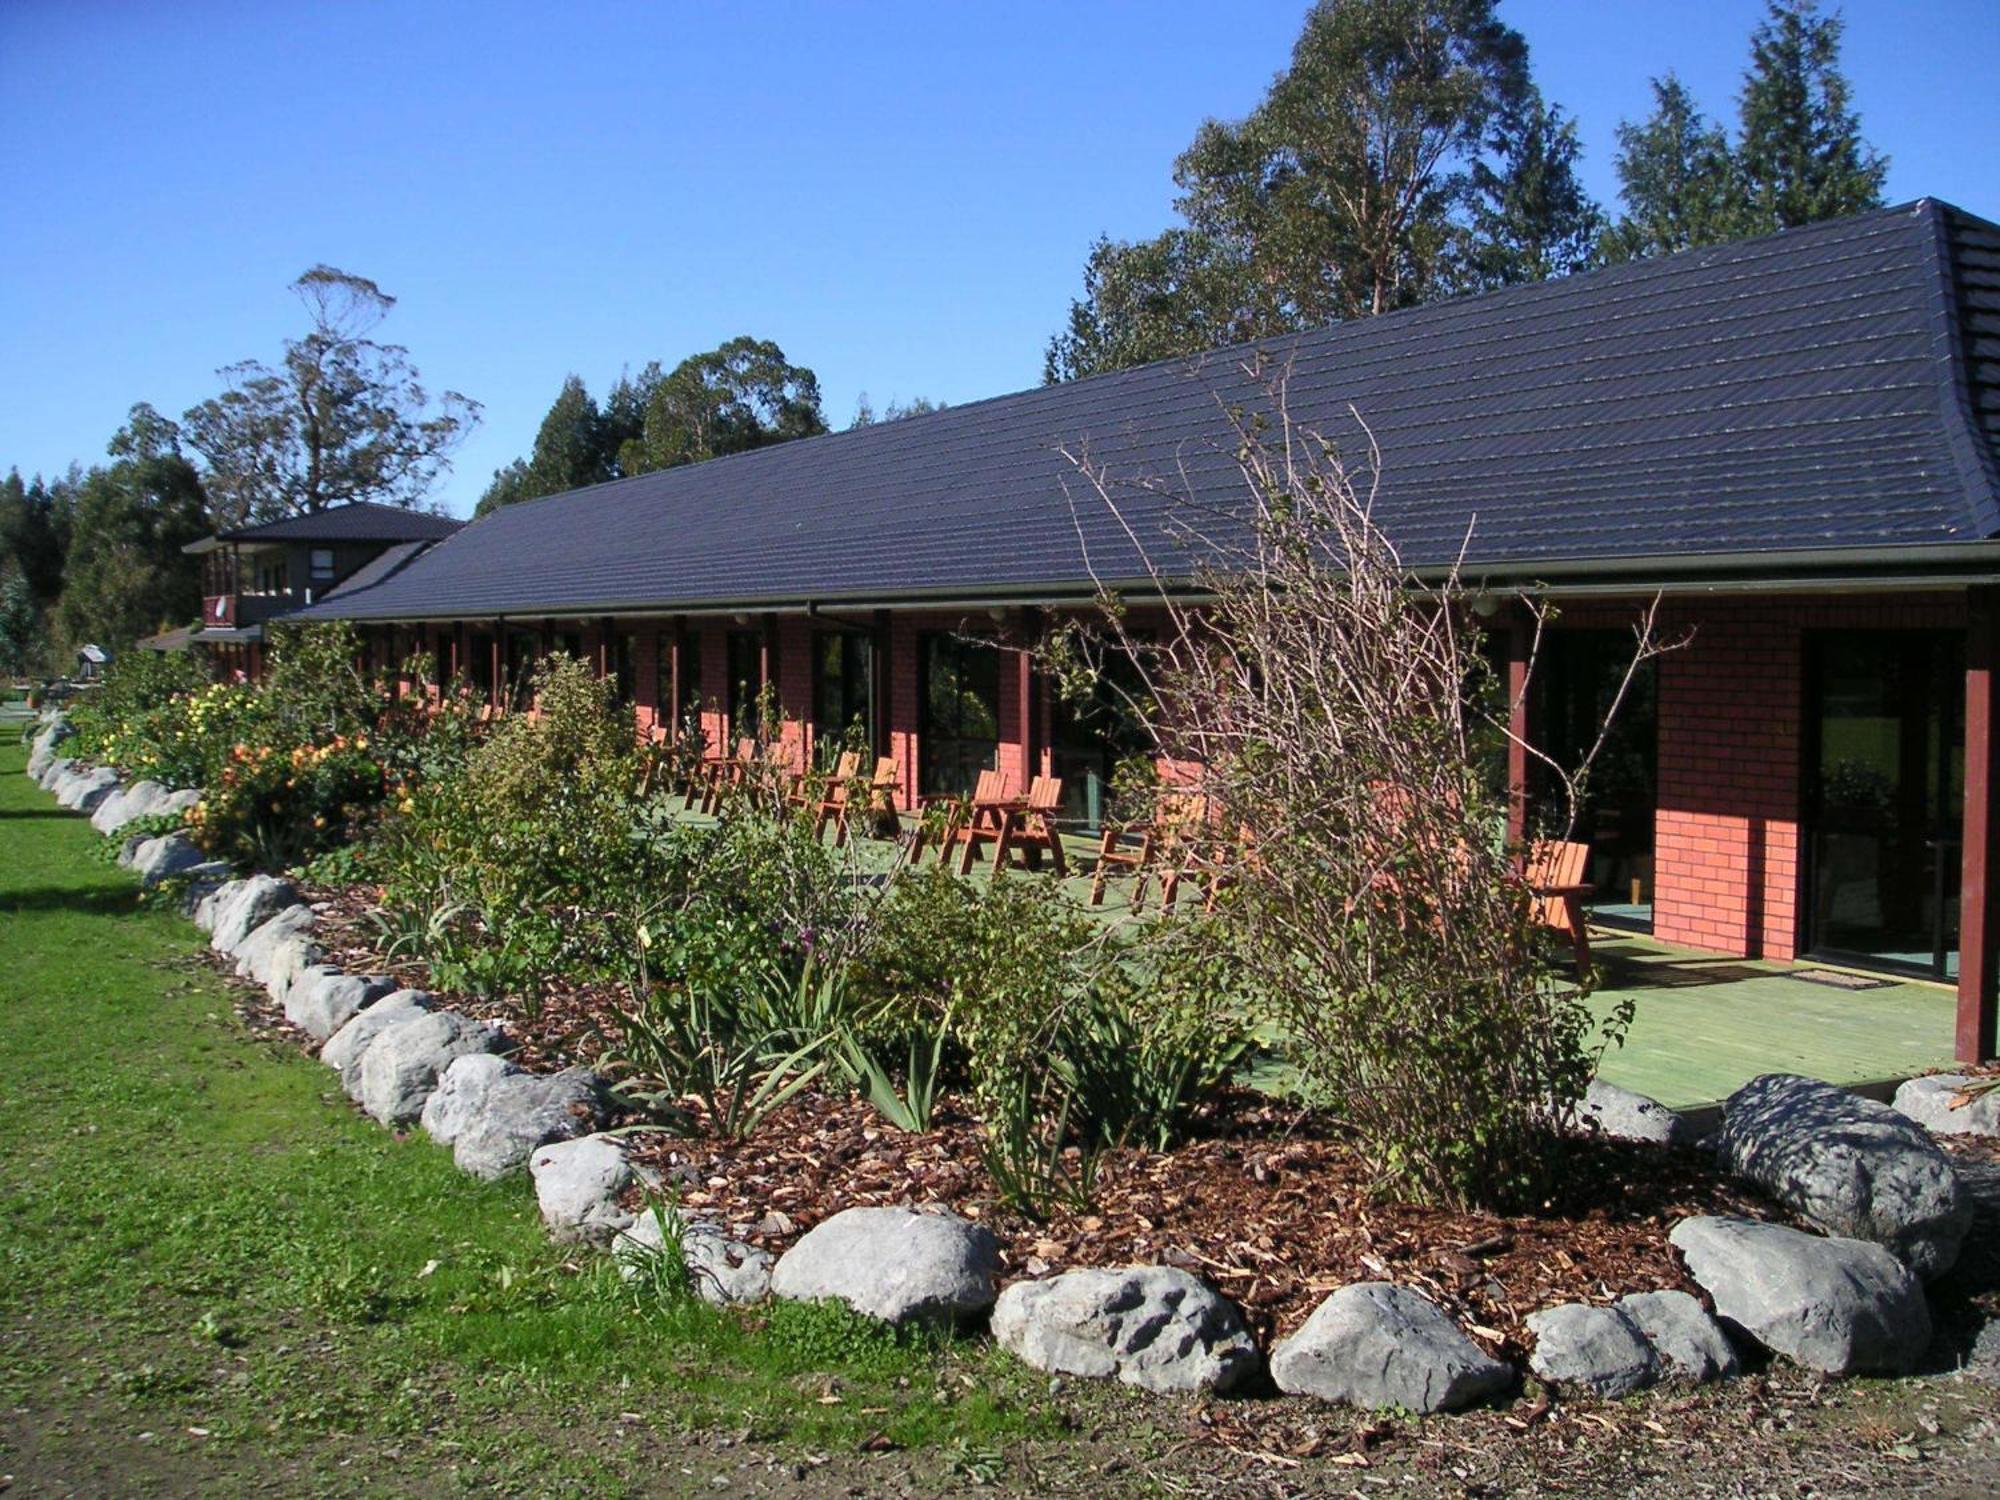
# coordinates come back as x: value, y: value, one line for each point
x: 691, y: 675
x: 1886, y: 798
x: 625, y: 667
x: 746, y: 680
x: 524, y: 649
x: 843, y: 689
x: 1089, y: 738
x: 961, y: 729
x: 1582, y: 671
x: 322, y: 565
x: 479, y: 662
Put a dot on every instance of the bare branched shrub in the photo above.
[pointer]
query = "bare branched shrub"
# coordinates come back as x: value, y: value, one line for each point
x: 1342, y: 727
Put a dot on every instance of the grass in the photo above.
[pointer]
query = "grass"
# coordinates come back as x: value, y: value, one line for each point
x: 215, y: 1275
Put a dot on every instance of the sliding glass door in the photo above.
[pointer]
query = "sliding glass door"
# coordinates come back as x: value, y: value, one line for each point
x: 1885, y: 796
x: 1582, y: 674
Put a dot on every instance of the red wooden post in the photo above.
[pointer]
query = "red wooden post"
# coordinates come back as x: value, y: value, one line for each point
x: 1520, y: 643
x: 1978, y: 890
x: 880, y: 679
x: 1024, y: 688
x: 676, y: 693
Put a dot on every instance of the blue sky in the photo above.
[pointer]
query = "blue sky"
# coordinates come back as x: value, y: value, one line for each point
x: 900, y: 194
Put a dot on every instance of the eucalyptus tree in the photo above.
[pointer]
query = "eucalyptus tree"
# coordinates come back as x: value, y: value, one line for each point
x: 1404, y: 155
x: 341, y: 417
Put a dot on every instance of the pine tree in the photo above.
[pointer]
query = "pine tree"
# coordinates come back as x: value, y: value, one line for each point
x: 1801, y: 153
x: 127, y: 573
x: 1678, y: 179
x: 1529, y: 216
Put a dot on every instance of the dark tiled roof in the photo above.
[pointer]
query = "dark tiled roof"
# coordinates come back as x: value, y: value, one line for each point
x: 362, y: 521
x: 1830, y: 388
x: 384, y: 565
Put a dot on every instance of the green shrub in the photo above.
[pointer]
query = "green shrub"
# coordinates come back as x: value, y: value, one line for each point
x: 1071, y: 1042
x: 517, y: 866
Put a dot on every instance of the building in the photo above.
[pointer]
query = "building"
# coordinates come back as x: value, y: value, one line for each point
x: 1793, y: 441
x: 254, y: 574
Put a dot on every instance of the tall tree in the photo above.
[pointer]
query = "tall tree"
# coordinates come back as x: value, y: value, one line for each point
x: 23, y: 638
x: 1402, y: 156
x: 1679, y: 181
x: 1529, y: 218
x: 343, y: 417
x: 1176, y: 294
x: 127, y: 574
x: 1802, y: 155
x: 744, y: 394
x: 572, y: 449
x: 34, y: 533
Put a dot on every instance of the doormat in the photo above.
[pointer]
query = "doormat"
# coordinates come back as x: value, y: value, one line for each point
x: 1835, y: 979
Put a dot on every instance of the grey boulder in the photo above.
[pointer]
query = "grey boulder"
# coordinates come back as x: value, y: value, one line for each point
x: 894, y: 1264
x: 493, y: 1114
x: 136, y: 801
x: 42, y: 749
x: 1940, y: 1105
x: 54, y: 771
x: 346, y: 1048
x: 1855, y: 1168
x: 1598, y: 1348
x: 577, y: 1187
x: 1377, y: 1345
x: 176, y: 803
x: 169, y: 856
x: 279, y: 949
x: 82, y: 791
x: 320, y: 999
x: 1690, y: 1344
x: 1621, y: 1114
x: 1155, y: 1327
x: 1836, y: 1305
x: 401, y: 1068
x: 243, y: 906
x: 721, y: 1270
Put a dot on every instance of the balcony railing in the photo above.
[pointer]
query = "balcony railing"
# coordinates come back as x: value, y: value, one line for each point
x: 225, y: 611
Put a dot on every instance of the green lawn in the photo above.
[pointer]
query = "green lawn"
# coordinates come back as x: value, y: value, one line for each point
x: 216, y: 1277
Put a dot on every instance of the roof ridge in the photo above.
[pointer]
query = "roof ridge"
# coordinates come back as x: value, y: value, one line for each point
x: 1971, y: 453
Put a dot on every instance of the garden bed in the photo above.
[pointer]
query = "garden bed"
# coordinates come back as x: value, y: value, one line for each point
x: 1266, y: 1200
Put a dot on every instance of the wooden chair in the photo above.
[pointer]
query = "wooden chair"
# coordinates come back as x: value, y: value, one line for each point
x: 880, y: 799
x: 967, y: 820
x: 1164, y: 838
x: 727, y: 771
x: 1031, y: 827
x: 829, y: 798
x: 1554, y: 874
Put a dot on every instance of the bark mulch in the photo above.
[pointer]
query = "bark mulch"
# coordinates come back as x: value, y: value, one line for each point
x: 1269, y: 1204
x: 1273, y: 1208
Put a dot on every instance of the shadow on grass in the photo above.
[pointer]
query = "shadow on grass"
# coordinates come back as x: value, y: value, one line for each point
x: 115, y: 901
x: 36, y: 812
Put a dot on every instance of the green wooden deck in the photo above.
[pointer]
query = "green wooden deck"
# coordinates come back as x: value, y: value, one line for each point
x: 1705, y: 1024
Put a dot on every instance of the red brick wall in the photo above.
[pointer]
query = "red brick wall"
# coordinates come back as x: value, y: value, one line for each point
x: 1727, y: 853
